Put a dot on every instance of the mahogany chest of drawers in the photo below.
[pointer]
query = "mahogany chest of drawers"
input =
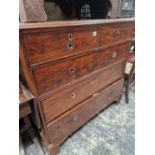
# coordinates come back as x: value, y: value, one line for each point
x: 74, y: 69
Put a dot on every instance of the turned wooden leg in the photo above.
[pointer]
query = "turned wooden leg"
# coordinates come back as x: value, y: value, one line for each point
x: 53, y: 150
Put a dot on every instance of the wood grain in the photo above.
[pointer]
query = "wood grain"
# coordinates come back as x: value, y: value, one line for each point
x: 58, y: 44
x: 111, y: 33
x: 72, y: 84
x: 68, y: 96
x: 51, y: 76
x: 62, y: 127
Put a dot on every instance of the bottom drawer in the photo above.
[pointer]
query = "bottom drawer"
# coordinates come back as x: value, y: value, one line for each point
x: 66, y: 124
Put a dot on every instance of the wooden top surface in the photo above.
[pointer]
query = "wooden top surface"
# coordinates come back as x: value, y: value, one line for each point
x: 69, y: 23
x: 24, y: 94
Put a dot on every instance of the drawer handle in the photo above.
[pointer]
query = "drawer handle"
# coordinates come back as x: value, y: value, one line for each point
x: 73, y: 95
x: 72, y: 70
x: 114, y: 54
x: 70, y: 46
x: 70, y: 37
x: 117, y: 34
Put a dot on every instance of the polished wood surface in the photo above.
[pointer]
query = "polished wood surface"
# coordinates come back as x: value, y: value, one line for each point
x: 54, y: 45
x: 50, y: 76
x: 76, y: 92
x: 76, y: 117
x: 112, y: 54
x: 72, y: 84
x: 112, y: 33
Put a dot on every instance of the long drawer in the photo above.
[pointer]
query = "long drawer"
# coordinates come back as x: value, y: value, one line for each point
x: 68, y: 96
x: 48, y: 46
x: 51, y: 76
x: 112, y: 33
x: 67, y: 123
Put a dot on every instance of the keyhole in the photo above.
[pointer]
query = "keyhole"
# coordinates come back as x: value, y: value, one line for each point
x: 73, y: 95
x: 70, y: 45
x: 72, y: 70
x: 70, y: 37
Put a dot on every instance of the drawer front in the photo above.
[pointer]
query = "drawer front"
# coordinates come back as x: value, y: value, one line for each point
x: 68, y: 96
x: 115, y: 33
x: 113, y: 54
x: 51, y: 76
x: 48, y: 46
x: 70, y: 121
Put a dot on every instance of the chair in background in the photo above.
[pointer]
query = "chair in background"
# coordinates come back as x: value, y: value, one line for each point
x: 129, y: 72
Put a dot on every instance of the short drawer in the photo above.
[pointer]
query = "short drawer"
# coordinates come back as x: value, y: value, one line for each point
x: 48, y: 46
x: 113, y: 54
x: 115, y: 33
x: 66, y: 124
x: 68, y: 96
